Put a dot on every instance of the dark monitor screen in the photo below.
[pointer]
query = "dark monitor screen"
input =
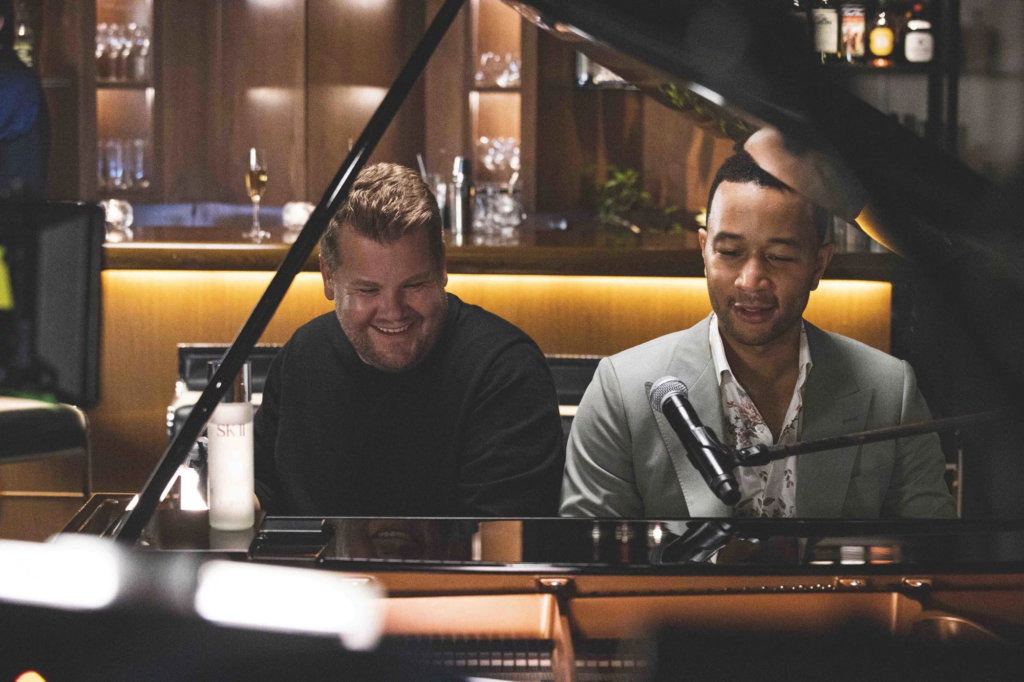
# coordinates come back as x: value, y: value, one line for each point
x: 50, y: 300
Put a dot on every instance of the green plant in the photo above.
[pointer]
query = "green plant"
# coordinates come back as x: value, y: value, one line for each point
x: 622, y: 202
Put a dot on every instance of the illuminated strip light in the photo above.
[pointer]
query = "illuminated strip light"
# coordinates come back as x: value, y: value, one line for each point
x: 291, y: 600
x: 71, y: 572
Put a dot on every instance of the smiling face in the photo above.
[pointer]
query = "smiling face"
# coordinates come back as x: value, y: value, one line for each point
x: 762, y: 258
x: 388, y: 297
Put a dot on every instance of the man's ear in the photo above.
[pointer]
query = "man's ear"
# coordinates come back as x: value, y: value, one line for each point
x: 328, y: 278
x: 822, y: 259
x: 702, y: 238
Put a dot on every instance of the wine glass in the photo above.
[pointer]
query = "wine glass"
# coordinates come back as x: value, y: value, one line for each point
x: 256, y: 185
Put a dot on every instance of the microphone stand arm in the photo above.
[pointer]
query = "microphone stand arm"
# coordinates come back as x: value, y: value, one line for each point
x: 763, y: 454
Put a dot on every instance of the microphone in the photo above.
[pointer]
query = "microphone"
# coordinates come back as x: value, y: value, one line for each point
x: 668, y: 395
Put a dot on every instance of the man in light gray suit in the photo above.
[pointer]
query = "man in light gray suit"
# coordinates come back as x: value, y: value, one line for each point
x: 757, y: 374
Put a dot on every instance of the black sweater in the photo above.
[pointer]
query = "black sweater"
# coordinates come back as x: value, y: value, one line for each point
x: 473, y: 430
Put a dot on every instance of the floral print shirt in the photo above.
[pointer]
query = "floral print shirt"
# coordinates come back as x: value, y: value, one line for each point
x: 768, y: 490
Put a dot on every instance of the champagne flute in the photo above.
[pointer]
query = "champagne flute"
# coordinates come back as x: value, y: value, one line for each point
x: 256, y: 185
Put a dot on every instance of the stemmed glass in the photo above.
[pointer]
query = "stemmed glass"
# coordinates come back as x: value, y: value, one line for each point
x: 256, y: 185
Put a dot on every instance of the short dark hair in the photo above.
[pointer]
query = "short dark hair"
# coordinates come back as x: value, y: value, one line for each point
x: 741, y: 168
x: 387, y: 202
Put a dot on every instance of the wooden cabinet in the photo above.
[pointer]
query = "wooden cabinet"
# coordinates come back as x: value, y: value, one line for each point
x: 301, y: 79
x: 478, y: 96
x: 570, y: 137
x: 298, y: 78
x: 128, y: 100
x: 66, y: 34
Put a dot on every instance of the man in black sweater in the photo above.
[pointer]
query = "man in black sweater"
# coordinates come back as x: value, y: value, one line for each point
x: 405, y: 401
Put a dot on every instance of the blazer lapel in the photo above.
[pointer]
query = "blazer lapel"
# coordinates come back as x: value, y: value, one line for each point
x: 691, y: 363
x: 833, y: 405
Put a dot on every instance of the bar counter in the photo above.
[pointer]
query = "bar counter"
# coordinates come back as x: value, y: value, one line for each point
x: 198, y: 285
x: 217, y: 248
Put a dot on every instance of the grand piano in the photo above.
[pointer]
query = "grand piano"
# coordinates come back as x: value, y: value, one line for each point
x: 628, y: 599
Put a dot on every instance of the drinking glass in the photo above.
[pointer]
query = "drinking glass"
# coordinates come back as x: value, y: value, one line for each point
x: 139, y: 174
x: 294, y: 217
x: 119, y: 218
x: 115, y: 165
x: 256, y: 185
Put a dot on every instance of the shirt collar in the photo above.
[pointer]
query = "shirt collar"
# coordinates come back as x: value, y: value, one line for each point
x: 722, y: 362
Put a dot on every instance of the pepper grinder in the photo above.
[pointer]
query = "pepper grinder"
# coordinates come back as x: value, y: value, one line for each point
x: 463, y: 198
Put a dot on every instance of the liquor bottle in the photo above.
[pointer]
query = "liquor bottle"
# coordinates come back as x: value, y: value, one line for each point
x: 230, y: 469
x: 798, y: 16
x: 882, y: 38
x: 918, y: 41
x: 825, y: 20
x: 853, y: 31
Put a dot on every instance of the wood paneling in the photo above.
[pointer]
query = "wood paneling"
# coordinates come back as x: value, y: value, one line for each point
x: 35, y: 519
x: 497, y: 29
x: 527, y: 616
x: 580, y: 133
x: 217, y: 248
x: 124, y: 11
x: 68, y: 32
x: 146, y: 313
x: 123, y: 114
x: 448, y: 135
x: 355, y: 51
x: 62, y: 178
x: 679, y: 159
x: 610, y: 617
x: 528, y: 117
x: 604, y: 315
x: 259, y: 84
x: 187, y: 141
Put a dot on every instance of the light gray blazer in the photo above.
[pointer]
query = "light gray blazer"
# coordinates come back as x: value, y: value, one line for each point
x: 624, y: 460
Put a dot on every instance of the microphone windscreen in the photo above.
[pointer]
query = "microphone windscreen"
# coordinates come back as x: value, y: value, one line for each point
x: 663, y: 388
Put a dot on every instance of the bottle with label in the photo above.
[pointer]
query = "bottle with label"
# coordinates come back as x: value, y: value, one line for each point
x: 882, y: 38
x: 918, y: 40
x: 825, y: 20
x: 230, y: 472
x: 853, y: 31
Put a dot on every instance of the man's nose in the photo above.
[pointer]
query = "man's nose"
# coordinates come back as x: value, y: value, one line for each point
x: 392, y: 303
x: 753, y: 274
